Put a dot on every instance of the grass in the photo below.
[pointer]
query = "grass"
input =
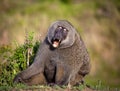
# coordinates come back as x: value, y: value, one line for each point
x: 40, y: 87
x: 94, y: 85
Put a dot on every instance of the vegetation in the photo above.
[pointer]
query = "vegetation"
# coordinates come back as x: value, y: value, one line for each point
x: 97, y: 21
x: 19, y: 59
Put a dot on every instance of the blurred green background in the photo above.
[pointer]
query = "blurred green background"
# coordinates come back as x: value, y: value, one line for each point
x: 97, y: 21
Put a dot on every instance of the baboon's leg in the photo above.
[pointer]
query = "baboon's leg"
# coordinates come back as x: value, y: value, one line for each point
x: 36, y: 79
x: 62, y: 75
x: 78, y: 80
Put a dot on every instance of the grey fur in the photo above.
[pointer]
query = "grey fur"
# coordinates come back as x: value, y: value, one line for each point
x: 68, y: 63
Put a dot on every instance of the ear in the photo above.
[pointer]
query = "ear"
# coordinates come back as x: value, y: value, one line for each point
x: 70, y: 40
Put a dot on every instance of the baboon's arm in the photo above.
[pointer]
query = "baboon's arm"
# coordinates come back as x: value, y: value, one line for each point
x: 42, y: 55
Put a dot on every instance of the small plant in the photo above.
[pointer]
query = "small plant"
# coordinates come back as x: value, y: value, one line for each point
x: 18, y: 60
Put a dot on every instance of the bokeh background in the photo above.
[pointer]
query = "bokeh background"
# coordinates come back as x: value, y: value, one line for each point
x: 97, y: 21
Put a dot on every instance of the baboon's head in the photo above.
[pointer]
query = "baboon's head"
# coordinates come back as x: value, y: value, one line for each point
x: 61, y: 34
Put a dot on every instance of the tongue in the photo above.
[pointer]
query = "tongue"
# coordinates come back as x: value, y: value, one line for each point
x: 55, y: 44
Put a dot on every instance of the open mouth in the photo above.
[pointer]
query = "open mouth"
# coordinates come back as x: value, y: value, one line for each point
x: 55, y: 43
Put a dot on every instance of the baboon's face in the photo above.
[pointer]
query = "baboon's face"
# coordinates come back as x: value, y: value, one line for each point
x: 60, y: 34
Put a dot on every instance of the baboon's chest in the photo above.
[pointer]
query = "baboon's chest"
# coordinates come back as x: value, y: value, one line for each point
x: 69, y: 56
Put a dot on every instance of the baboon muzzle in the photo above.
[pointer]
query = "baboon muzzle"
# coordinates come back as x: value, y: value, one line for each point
x: 58, y: 37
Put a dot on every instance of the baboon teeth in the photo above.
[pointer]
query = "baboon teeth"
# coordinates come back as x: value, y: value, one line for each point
x: 55, y: 44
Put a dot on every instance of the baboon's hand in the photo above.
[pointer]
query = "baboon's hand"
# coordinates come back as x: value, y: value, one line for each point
x: 18, y: 79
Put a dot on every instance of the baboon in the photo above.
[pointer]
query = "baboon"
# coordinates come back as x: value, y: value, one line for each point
x: 61, y: 59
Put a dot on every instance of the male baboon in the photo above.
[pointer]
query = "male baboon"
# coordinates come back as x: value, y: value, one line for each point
x: 62, y: 58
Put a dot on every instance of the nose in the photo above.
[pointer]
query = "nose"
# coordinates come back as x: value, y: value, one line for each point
x: 58, y: 35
